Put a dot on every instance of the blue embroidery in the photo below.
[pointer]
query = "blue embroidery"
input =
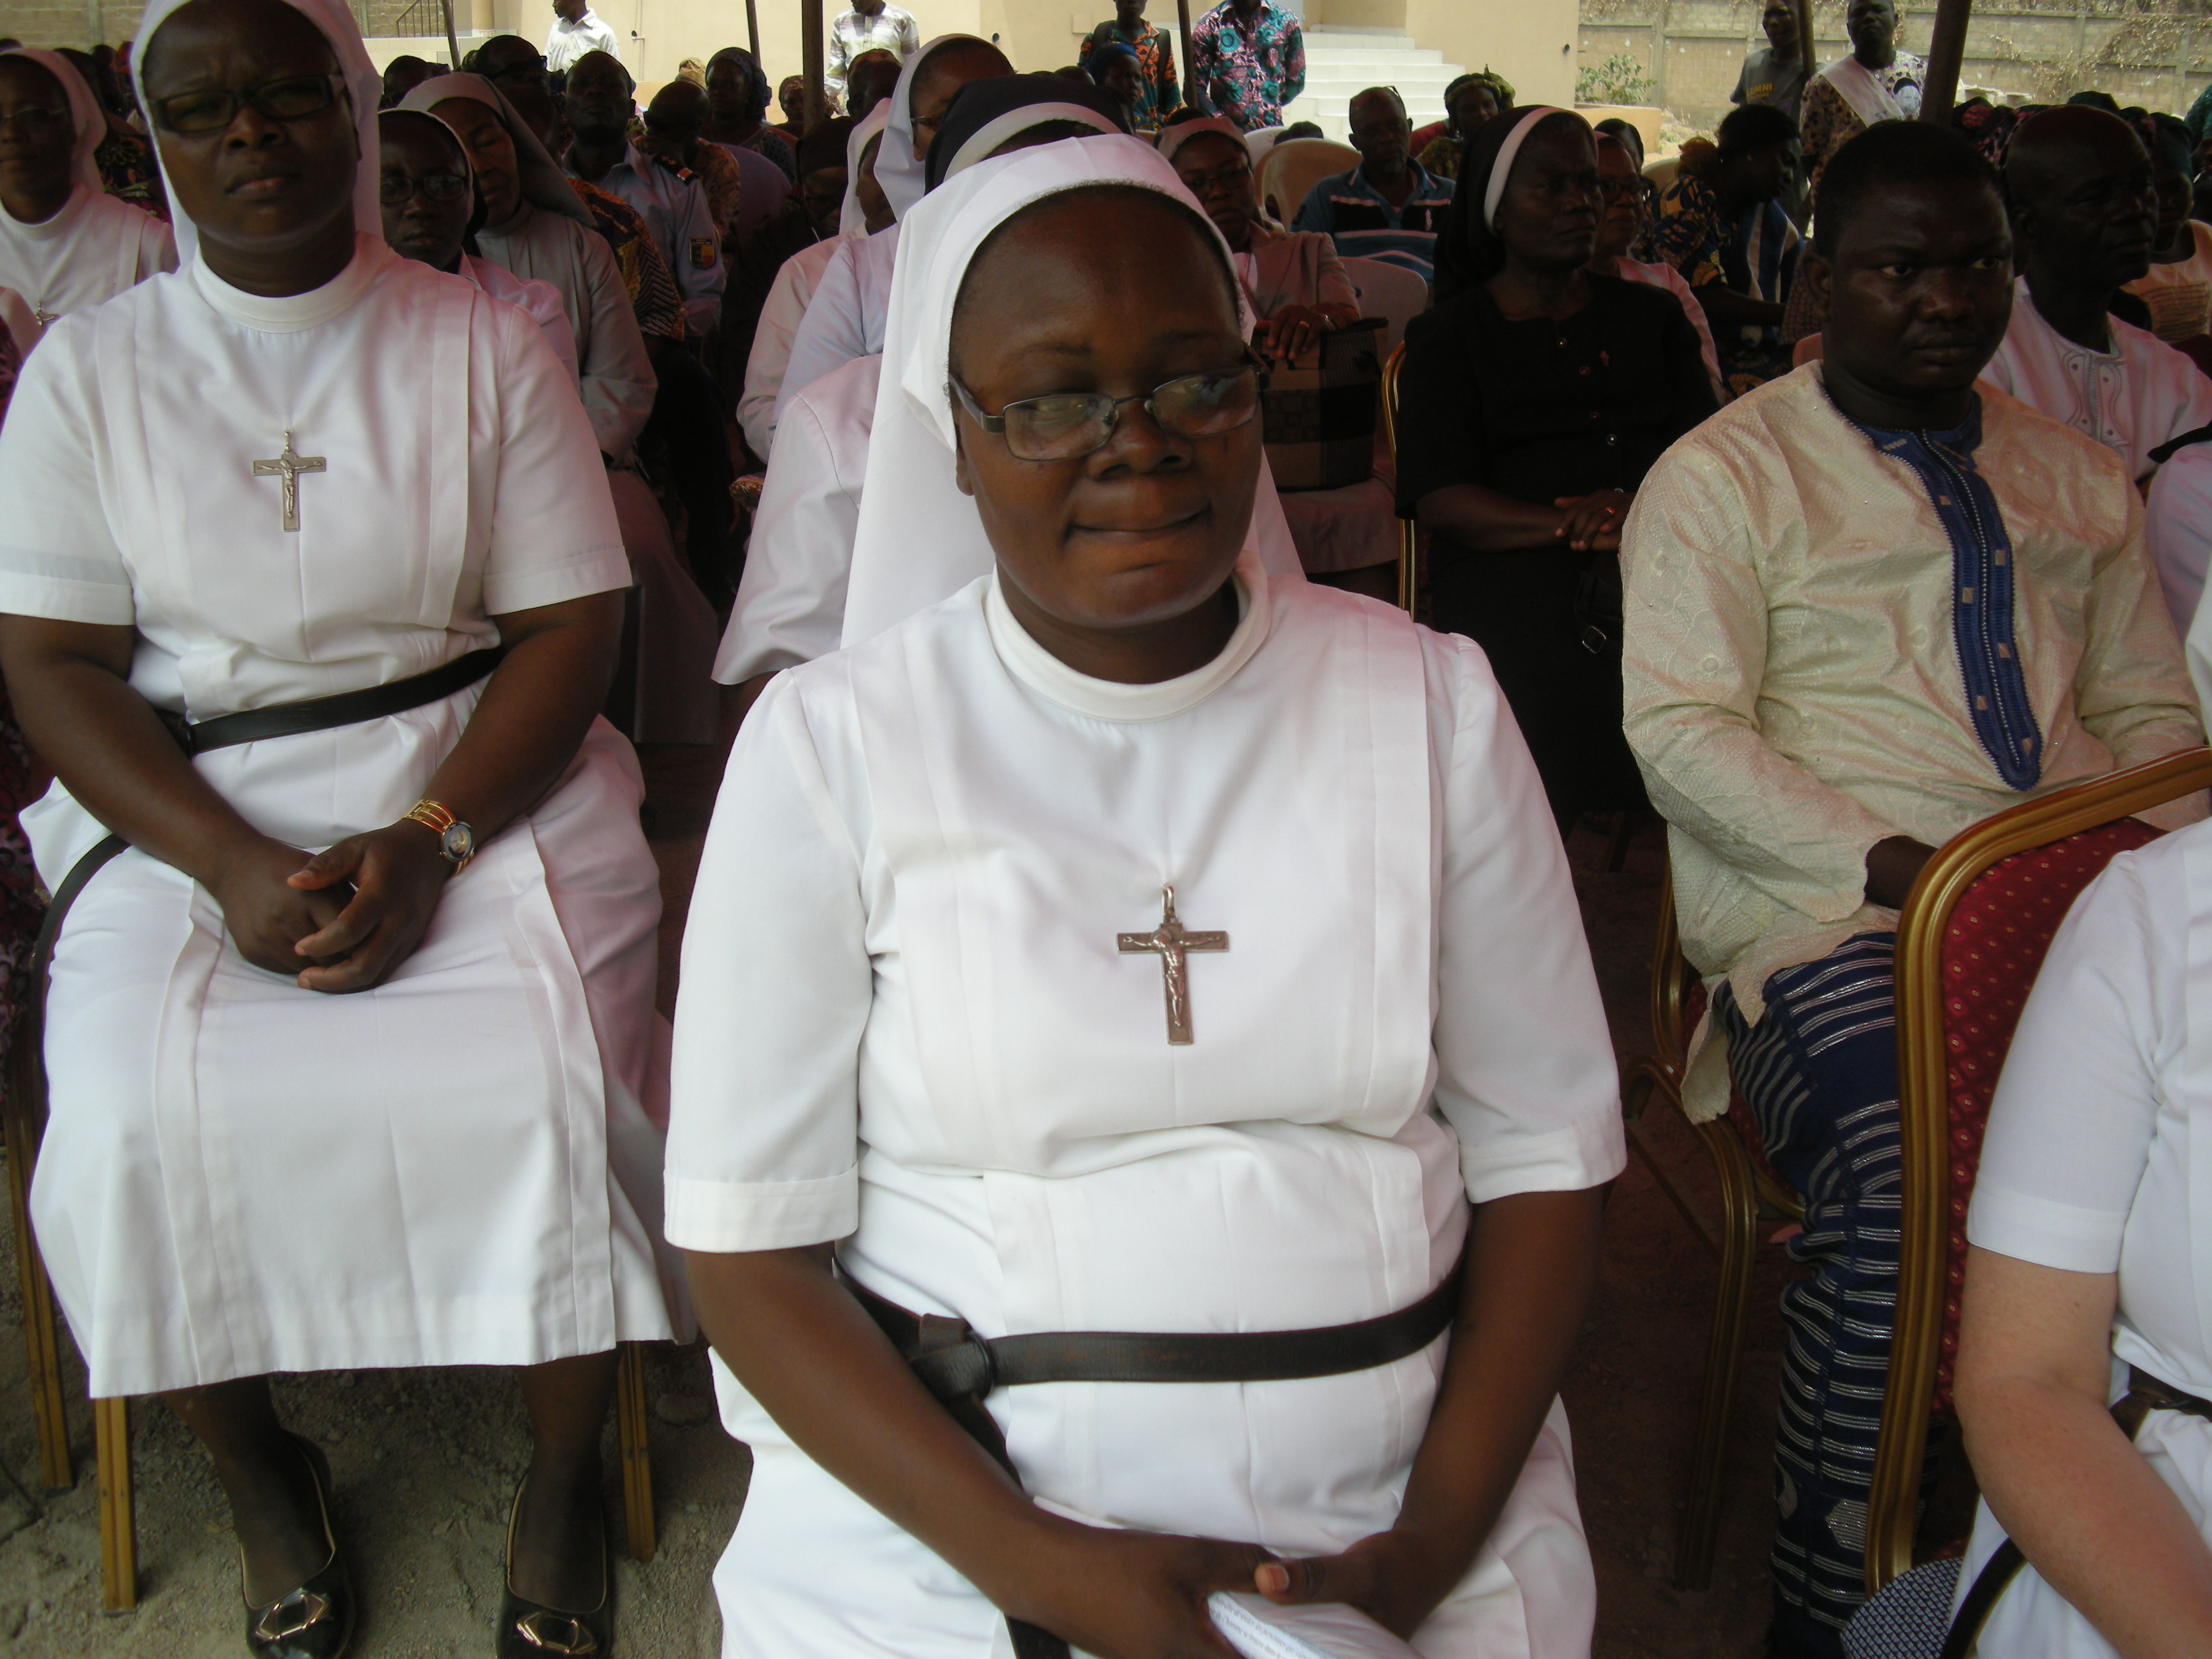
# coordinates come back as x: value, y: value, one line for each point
x: 1981, y: 592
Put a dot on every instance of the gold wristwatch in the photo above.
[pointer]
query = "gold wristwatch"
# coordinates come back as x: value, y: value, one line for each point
x: 456, y: 842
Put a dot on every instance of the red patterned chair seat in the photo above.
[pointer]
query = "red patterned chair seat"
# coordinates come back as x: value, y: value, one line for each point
x: 1993, y: 948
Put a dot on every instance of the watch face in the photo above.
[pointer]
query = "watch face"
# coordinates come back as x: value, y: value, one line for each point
x: 459, y: 843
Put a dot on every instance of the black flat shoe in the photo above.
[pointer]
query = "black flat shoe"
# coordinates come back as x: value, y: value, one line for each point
x: 530, y: 1630
x: 315, y: 1621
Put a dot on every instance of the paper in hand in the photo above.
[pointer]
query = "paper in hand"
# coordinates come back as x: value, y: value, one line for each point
x: 1258, y: 1629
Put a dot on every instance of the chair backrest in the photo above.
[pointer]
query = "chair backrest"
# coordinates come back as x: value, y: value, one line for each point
x: 1389, y: 291
x: 1294, y: 167
x: 1970, y: 940
x: 1409, y: 533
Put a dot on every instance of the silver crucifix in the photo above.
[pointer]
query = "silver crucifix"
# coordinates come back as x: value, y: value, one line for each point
x: 289, y: 466
x: 1172, y: 945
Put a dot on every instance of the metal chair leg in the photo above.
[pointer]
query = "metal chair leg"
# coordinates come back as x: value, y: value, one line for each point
x: 119, y: 1520
x: 41, y: 1344
x: 636, y: 1450
x: 1693, y: 1546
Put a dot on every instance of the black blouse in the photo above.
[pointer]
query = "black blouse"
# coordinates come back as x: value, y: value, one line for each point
x: 1537, y: 410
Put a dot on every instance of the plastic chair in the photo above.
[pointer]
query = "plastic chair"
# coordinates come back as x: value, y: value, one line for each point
x: 1746, y: 1183
x: 1391, y: 291
x: 1969, y: 941
x: 22, y: 1119
x: 1294, y: 167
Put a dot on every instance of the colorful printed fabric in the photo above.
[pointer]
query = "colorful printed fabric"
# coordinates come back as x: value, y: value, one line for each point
x: 890, y: 30
x: 128, y: 173
x: 1828, y: 124
x: 645, y: 274
x: 1982, y: 584
x: 1248, y: 77
x: 723, y: 180
x: 1755, y: 257
x: 1158, y: 95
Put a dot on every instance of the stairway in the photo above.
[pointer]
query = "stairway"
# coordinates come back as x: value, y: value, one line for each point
x: 1340, y: 62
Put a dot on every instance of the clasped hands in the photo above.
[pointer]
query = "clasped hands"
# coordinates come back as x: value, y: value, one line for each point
x: 343, y: 920
x: 1142, y: 1595
x: 1594, y: 520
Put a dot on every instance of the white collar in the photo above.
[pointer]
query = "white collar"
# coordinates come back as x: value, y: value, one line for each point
x: 1109, y: 700
x: 2023, y: 302
x: 291, y: 314
x: 61, y: 223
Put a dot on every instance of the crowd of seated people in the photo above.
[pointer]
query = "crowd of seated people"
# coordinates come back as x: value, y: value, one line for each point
x: 1827, y: 487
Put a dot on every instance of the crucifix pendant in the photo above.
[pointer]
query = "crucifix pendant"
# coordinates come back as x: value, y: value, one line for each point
x: 41, y: 316
x: 288, y: 467
x: 1172, y: 945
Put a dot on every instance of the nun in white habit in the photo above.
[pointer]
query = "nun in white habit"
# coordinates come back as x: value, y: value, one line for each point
x: 1127, y: 941
x: 66, y: 244
x: 2089, y: 1281
x: 305, y: 468
x: 792, y: 291
x: 791, y: 604
x: 540, y: 229
x: 845, y: 319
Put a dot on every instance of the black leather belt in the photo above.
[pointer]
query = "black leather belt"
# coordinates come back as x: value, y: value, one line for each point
x: 959, y: 1368
x: 952, y: 1361
x: 291, y: 720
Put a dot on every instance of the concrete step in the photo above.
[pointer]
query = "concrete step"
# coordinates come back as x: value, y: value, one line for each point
x: 1341, y: 63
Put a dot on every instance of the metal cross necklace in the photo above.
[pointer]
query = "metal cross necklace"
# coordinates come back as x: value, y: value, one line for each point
x: 289, y: 467
x: 1172, y: 946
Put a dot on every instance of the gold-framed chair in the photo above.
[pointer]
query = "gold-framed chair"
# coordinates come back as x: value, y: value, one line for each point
x: 1746, y: 1186
x: 1409, y: 533
x: 22, y: 1123
x: 1970, y: 939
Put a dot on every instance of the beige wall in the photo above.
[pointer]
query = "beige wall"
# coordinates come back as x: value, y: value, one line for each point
x: 1528, y: 41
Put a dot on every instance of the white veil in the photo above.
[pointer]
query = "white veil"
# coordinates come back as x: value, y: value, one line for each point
x: 919, y: 540
x: 853, y: 218
x: 364, y: 85
x: 85, y: 112
x: 897, y: 170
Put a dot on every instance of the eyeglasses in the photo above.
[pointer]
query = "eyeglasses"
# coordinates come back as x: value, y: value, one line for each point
x: 292, y: 99
x: 394, y: 189
x: 34, y: 117
x: 1610, y: 188
x: 1233, y: 177
x: 1066, y: 426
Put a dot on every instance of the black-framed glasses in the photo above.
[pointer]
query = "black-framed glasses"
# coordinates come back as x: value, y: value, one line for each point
x: 394, y: 189
x: 1232, y: 177
x: 293, y: 98
x: 1066, y: 426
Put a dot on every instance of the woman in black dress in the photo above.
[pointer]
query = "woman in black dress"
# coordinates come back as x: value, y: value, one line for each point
x: 1533, y: 399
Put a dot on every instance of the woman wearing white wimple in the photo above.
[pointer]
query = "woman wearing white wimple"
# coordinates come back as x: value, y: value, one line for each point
x: 348, y: 1047
x: 941, y: 1019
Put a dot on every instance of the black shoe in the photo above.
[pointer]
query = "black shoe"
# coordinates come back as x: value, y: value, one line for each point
x: 315, y: 1621
x: 529, y: 1630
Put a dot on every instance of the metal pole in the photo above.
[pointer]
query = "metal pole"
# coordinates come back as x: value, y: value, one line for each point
x: 1807, y: 54
x: 752, y: 26
x: 811, y: 53
x: 1947, y: 52
x: 1189, y: 64
x: 453, y: 40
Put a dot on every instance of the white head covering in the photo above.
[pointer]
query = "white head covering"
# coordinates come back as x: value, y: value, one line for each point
x: 919, y: 540
x: 364, y: 85
x: 897, y: 169
x: 1524, y: 123
x: 543, y: 185
x: 1174, y: 138
x: 853, y: 219
x: 85, y: 112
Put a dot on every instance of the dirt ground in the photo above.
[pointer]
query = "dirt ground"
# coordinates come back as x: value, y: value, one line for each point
x: 425, y: 1463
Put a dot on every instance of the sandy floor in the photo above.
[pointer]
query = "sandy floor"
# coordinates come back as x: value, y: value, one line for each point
x: 425, y: 1463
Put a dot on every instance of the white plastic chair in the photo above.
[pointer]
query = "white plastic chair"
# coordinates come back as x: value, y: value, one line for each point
x: 1390, y: 292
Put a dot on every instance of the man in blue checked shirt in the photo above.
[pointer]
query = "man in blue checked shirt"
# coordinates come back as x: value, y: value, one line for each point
x: 1389, y: 207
